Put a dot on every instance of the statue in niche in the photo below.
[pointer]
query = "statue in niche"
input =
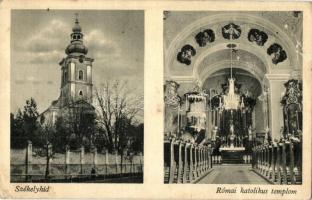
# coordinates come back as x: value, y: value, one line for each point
x: 171, y: 93
x: 257, y: 36
x: 292, y: 103
x: 231, y: 31
x: 204, y: 37
x: 186, y: 54
x: 277, y: 53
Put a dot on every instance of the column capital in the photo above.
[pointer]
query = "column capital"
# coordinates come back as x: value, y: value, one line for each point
x: 182, y: 79
x: 277, y: 77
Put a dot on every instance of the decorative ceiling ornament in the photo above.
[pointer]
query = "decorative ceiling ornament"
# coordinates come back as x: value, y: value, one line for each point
x: 186, y: 54
x: 166, y: 14
x: 231, y: 31
x: 204, y: 37
x: 257, y: 36
x: 171, y: 93
x: 231, y: 46
x: 296, y: 13
x: 277, y: 53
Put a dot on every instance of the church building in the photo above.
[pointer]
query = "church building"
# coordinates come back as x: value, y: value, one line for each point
x: 76, y: 80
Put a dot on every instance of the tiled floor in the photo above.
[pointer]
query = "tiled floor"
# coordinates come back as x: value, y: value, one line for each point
x: 232, y: 174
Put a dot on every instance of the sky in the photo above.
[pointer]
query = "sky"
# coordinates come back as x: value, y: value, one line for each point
x: 115, y: 39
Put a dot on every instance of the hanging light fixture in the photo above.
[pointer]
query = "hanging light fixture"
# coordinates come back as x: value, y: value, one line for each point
x: 231, y: 101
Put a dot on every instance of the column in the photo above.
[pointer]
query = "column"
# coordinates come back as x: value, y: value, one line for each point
x: 275, y: 110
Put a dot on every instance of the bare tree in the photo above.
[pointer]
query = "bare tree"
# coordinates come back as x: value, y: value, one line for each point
x: 117, y: 108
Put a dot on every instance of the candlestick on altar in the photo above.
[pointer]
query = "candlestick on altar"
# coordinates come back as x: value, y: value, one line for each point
x: 219, y: 102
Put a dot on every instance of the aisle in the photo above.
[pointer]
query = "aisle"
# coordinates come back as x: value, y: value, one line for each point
x: 232, y: 174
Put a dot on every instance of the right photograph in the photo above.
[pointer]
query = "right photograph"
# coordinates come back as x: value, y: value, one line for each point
x: 233, y: 97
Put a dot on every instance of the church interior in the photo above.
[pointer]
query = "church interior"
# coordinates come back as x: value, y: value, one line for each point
x: 232, y: 84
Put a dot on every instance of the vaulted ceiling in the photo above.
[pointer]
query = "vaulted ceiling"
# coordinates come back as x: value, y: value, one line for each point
x: 196, y: 43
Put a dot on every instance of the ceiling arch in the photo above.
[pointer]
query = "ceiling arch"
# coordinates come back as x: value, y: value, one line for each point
x: 259, y: 61
x: 260, y: 52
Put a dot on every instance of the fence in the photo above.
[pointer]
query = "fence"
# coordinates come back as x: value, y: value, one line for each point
x: 87, y: 167
x: 280, y: 163
x: 186, y: 162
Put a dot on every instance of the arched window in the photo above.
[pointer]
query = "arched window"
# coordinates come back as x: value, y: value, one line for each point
x: 80, y: 75
x: 80, y: 93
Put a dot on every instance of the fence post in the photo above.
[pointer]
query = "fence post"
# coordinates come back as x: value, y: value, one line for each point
x: 141, y: 166
x: 106, y: 161
x: 210, y: 156
x: 253, y: 156
x: 180, y: 163
x: 82, y: 162
x: 205, y: 159
x: 199, y: 161
x: 116, y: 161
x: 28, y: 161
x: 67, y: 159
x: 172, y: 163
x: 48, y: 164
x: 94, y: 157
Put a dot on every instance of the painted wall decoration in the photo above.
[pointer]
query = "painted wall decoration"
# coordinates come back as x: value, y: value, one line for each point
x: 277, y: 53
x: 257, y: 36
x: 231, y: 31
x: 186, y: 54
x: 204, y: 37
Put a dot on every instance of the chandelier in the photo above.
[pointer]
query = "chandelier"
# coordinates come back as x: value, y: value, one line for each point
x: 231, y: 100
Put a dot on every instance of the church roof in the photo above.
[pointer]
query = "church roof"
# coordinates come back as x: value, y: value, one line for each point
x: 76, y: 44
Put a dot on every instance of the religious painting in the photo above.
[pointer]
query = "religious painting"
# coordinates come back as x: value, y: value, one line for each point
x: 231, y: 31
x: 204, y: 37
x: 277, y: 53
x: 257, y: 36
x: 186, y: 54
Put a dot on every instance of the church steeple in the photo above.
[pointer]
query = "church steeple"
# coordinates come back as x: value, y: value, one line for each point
x: 76, y: 69
x: 76, y: 45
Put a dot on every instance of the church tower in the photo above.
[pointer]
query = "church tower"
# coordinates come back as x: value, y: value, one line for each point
x: 76, y: 81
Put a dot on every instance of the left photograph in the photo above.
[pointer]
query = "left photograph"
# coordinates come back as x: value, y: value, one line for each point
x: 77, y: 84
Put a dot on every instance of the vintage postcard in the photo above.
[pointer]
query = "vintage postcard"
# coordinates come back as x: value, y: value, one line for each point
x: 155, y: 99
